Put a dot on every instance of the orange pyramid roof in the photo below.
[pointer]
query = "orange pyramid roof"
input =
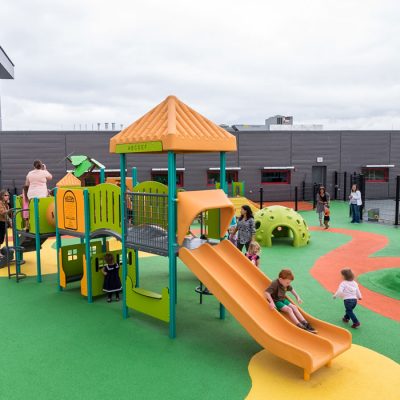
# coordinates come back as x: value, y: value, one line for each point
x: 172, y: 125
x: 69, y: 180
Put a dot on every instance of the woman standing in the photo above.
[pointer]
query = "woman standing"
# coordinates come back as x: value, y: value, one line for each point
x: 323, y: 198
x: 245, y: 228
x: 37, y: 180
x: 4, y: 216
x: 355, y: 204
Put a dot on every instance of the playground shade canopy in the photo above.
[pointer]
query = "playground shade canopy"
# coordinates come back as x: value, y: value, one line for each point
x: 172, y: 126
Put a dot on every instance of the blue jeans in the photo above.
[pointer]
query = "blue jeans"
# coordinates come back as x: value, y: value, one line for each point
x: 355, y: 213
x: 350, y: 305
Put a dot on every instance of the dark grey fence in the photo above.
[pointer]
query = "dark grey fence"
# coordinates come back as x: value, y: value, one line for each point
x: 146, y: 222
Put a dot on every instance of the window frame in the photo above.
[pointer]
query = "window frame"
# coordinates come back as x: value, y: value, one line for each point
x: 235, y: 173
x: 165, y: 173
x: 287, y: 171
x: 366, y: 170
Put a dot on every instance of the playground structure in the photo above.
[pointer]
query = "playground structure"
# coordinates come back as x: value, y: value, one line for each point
x: 275, y: 222
x: 156, y: 219
x: 41, y: 227
x: 172, y: 127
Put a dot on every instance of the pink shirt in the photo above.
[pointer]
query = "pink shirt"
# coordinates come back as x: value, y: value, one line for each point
x: 37, y: 182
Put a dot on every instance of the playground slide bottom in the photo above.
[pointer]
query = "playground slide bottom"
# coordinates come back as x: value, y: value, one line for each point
x: 240, y: 287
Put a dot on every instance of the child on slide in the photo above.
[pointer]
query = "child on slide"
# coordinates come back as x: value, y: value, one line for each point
x: 276, y: 295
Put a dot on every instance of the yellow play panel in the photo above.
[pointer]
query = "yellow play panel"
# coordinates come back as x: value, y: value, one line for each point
x: 359, y: 372
x: 49, y: 260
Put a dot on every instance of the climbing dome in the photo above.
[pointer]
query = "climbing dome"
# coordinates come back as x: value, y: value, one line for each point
x: 280, y: 222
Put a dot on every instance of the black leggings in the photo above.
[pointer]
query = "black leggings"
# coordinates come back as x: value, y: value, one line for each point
x: 2, y: 231
x: 240, y: 246
x: 116, y: 295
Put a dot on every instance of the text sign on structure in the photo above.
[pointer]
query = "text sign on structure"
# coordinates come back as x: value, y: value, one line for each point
x: 70, y: 211
x: 144, y: 147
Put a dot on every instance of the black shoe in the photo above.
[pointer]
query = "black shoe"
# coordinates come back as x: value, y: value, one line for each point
x: 309, y: 327
x: 117, y: 299
x: 108, y: 300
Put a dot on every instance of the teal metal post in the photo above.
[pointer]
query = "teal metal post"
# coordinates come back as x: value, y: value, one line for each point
x: 102, y: 175
x: 172, y: 242
x: 16, y: 241
x: 87, y: 245
x: 134, y: 176
x: 134, y: 183
x: 122, y: 165
x: 37, y: 239
x: 224, y: 187
x: 58, y: 240
x: 103, y: 180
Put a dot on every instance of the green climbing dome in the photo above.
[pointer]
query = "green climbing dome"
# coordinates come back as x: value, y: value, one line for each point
x: 280, y: 222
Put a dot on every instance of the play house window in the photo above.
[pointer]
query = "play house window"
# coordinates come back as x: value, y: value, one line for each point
x: 279, y: 177
x: 162, y: 177
x: 380, y: 174
x: 72, y: 255
x: 93, y: 250
x: 213, y: 177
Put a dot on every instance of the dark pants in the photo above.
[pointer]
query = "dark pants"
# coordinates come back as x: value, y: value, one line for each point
x: 355, y: 212
x: 350, y: 305
x: 240, y: 246
x: 2, y: 231
x: 116, y: 295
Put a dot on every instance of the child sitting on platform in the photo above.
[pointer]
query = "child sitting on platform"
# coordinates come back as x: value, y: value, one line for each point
x: 112, y: 283
x: 276, y: 295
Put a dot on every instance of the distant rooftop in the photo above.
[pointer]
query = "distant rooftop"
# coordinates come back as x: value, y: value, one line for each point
x: 6, y: 66
x: 277, y: 123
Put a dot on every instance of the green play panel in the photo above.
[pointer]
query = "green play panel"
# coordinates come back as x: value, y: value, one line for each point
x: 384, y: 281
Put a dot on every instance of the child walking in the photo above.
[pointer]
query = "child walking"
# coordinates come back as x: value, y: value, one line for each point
x: 112, y: 283
x: 276, y: 295
x: 327, y: 217
x: 348, y: 290
x: 253, y: 253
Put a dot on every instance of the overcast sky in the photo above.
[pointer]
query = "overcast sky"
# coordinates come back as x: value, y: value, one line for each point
x: 87, y: 61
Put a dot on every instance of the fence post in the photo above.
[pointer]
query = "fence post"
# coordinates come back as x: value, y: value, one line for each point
x: 344, y: 185
x: 296, y: 206
x: 336, y: 185
x: 304, y: 190
x: 396, y: 217
x: 362, y: 189
x: 261, y: 198
x: 315, y: 190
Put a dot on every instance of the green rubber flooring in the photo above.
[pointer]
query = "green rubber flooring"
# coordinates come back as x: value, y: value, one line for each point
x: 55, y: 345
x: 385, y: 281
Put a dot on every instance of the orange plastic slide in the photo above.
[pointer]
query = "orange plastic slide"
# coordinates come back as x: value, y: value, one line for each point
x: 240, y: 287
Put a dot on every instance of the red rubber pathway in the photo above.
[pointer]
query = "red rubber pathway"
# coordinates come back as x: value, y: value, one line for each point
x: 357, y: 255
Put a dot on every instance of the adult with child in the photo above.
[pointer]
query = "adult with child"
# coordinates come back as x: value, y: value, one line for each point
x: 322, y: 199
x: 276, y: 296
x: 5, y: 219
x: 245, y: 228
x: 37, y: 179
x: 355, y: 201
